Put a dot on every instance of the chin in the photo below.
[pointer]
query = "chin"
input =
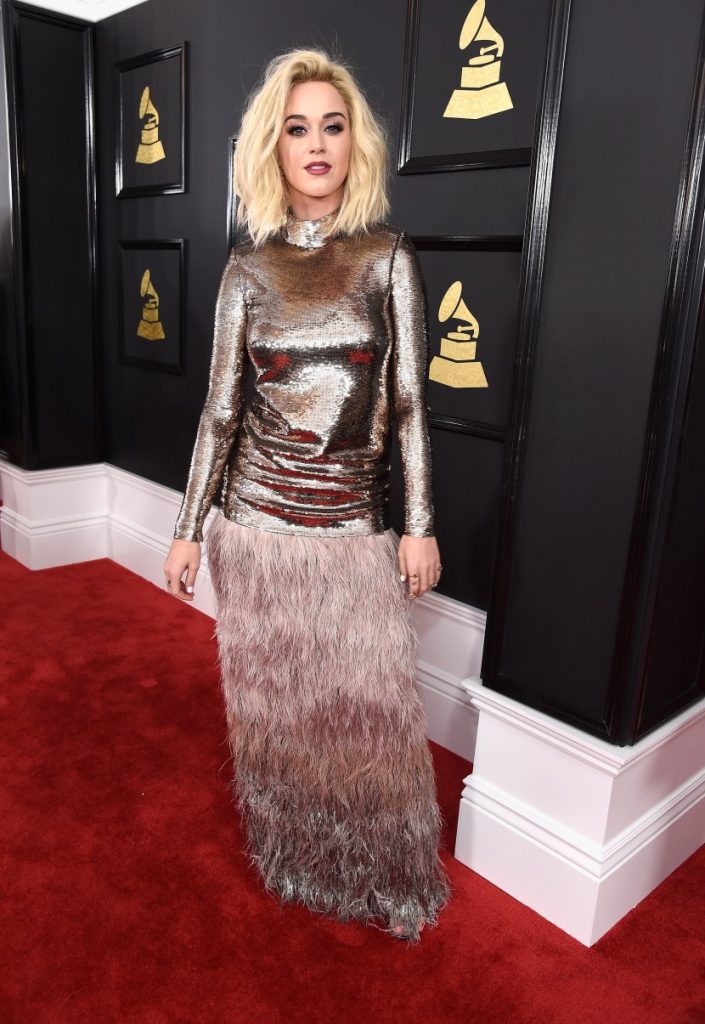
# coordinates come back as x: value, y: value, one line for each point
x: 319, y: 188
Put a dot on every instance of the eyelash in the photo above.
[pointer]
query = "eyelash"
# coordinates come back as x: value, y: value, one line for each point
x: 336, y: 124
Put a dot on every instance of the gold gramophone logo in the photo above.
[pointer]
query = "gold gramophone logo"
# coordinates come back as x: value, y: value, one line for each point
x: 481, y: 92
x: 150, y: 149
x: 457, y: 365
x: 150, y: 326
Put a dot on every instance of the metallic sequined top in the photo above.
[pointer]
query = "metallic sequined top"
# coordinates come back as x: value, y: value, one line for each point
x: 336, y: 328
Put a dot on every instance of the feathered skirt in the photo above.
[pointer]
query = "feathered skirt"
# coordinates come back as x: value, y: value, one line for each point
x: 333, y: 775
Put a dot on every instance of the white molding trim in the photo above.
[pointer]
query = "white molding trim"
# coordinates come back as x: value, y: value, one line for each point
x: 57, y: 516
x: 572, y: 826
x: 88, y: 10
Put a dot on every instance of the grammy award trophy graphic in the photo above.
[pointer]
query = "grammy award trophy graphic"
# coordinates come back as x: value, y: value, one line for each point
x: 457, y: 366
x: 150, y: 326
x: 481, y: 92
x: 150, y: 149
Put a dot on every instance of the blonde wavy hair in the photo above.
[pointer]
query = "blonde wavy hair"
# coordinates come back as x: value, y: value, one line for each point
x: 257, y: 177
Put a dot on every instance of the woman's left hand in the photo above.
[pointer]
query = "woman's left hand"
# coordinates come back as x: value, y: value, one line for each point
x: 419, y: 563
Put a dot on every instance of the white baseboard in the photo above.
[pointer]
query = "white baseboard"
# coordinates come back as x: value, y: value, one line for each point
x: 575, y: 827
x: 59, y: 516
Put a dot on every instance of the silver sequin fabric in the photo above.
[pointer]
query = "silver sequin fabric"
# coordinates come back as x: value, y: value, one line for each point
x: 336, y: 329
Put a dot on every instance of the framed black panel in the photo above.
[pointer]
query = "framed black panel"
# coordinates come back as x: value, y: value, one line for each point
x: 531, y: 273
x: 54, y: 370
x: 622, y: 449
x: 150, y: 138
x: 151, y: 301
x: 472, y: 285
x: 658, y: 667
x: 471, y: 80
x: 675, y: 650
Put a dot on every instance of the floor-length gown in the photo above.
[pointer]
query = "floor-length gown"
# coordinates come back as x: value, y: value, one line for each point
x: 332, y: 771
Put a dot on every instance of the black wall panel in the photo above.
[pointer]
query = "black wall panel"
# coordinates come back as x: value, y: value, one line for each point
x: 586, y: 477
x: 54, y: 209
x: 10, y: 375
x: 675, y: 669
x: 612, y: 213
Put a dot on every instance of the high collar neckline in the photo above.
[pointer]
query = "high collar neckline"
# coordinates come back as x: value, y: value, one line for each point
x: 308, y: 233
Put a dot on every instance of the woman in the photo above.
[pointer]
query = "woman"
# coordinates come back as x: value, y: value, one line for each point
x: 333, y: 775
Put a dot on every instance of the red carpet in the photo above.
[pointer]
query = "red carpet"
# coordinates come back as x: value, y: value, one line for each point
x: 126, y: 898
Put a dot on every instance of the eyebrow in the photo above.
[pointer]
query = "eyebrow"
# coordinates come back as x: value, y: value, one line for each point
x: 302, y: 117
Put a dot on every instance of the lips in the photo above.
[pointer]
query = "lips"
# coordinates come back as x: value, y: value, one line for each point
x: 318, y: 166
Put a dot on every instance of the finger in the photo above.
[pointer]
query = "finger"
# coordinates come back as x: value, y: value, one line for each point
x: 434, y: 571
x: 425, y: 579
x: 402, y: 566
x: 191, y: 577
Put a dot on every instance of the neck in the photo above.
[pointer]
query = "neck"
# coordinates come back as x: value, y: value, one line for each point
x: 308, y: 232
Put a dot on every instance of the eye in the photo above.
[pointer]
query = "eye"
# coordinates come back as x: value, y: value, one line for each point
x: 336, y: 126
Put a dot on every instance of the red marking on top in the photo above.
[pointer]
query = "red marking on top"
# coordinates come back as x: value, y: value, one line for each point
x: 304, y: 435
x: 361, y: 356
x: 277, y: 363
x: 302, y: 475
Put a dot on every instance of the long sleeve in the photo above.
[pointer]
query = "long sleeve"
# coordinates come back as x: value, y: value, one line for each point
x: 222, y: 410
x: 410, y: 370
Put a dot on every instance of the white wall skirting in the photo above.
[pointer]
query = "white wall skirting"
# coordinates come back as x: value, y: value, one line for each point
x: 57, y: 516
x: 575, y: 827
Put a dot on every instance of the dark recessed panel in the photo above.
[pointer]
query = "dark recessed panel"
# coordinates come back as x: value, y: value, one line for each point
x: 610, y: 230
x: 676, y: 662
x: 472, y: 78
x: 57, y: 239
x: 473, y: 291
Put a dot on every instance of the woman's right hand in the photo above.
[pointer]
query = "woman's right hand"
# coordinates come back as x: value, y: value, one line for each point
x: 184, y: 557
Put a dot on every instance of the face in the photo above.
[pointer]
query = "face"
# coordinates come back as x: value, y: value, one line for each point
x: 316, y: 130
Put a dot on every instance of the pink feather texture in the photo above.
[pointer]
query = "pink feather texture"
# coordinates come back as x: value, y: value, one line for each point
x: 333, y: 776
